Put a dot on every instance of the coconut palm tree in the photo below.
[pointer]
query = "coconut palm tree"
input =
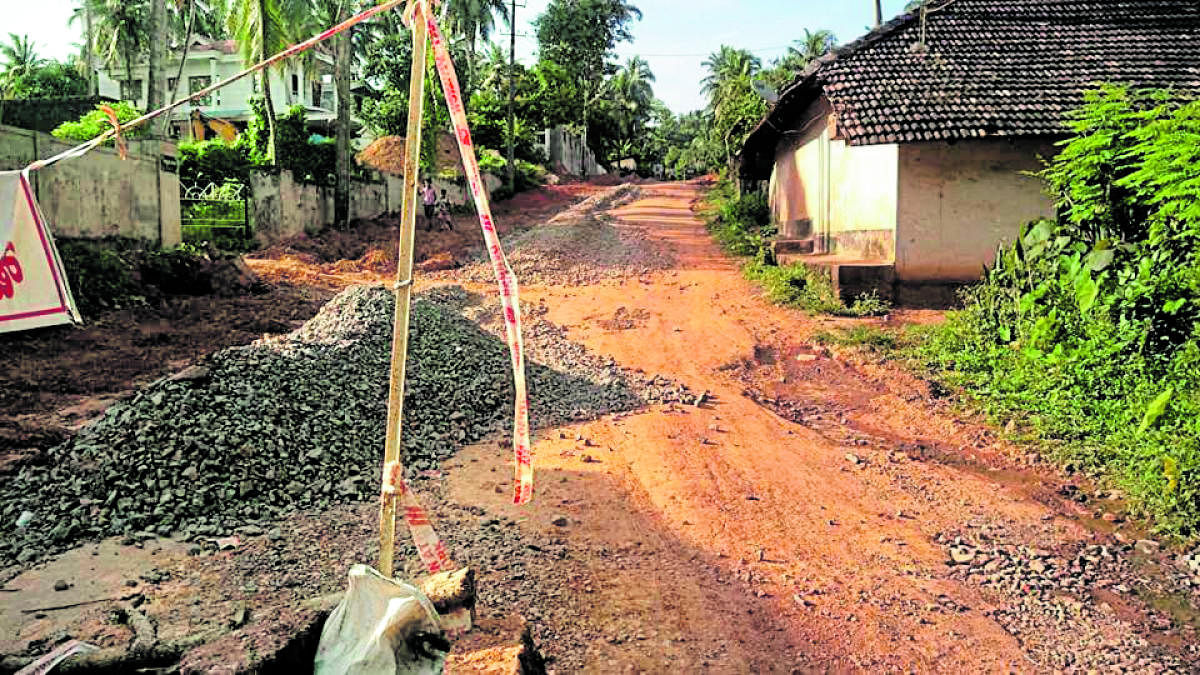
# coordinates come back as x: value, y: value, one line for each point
x: 473, y: 20
x: 258, y: 28
x: 87, y: 55
x: 725, y: 65
x: 632, y: 94
x: 122, y: 31
x: 19, y: 55
x: 20, y: 60
x: 811, y: 47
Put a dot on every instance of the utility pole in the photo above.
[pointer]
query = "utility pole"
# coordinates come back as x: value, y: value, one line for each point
x: 878, y: 13
x: 512, y: 95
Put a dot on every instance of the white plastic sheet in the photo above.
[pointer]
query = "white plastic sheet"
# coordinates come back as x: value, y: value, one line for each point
x: 33, y: 285
x: 382, y: 626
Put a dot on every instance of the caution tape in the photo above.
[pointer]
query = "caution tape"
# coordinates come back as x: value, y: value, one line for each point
x: 313, y: 41
x: 507, y: 281
x: 430, y: 549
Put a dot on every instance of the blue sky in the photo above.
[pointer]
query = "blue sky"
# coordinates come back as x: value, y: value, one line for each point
x: 675, y: 36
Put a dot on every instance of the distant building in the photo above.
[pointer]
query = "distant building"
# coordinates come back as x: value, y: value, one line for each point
x: 900, y: 157
x: 210, y: 61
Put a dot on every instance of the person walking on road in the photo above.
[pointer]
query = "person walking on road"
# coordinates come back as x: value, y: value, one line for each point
x: 429, y: 199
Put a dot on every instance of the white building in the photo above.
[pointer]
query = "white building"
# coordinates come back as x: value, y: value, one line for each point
x: 210, y: 61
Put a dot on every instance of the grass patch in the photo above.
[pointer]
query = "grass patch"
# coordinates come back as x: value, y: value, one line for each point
x: 808, y: 288
x: 742, y: 226
x: 1085, y: 333
x: 882, y: 341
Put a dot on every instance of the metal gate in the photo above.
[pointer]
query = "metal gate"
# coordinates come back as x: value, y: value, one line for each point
x: 214, y: 213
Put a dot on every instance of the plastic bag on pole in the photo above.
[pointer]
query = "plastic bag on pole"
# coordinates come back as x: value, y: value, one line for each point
x: 382, y: 626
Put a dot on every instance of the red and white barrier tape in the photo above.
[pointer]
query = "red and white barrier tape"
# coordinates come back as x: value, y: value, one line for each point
x: 83, y: 148
x: 522, y: 452
x: 429, y: 547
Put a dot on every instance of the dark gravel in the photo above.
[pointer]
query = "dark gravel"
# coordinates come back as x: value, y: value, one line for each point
x: 297, y: 422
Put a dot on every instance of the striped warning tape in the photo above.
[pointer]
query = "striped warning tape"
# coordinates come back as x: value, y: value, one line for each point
x: 522, y: 452
x: 430, y: 549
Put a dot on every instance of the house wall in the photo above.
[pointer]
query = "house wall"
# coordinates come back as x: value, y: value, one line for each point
x: 99, y: 194
x: 218, y: 65
x: 844, y: 196
x: 958, y: 201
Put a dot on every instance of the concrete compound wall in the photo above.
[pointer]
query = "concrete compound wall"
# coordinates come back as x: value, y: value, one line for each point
x: 282, y: 207
x: 99, y: 194
x: 566, y: 153
x: 958, y: 202
x: 843, y: 196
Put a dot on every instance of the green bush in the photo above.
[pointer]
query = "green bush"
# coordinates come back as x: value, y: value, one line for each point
x: 214, y: 161
x: 118, y: 272
x: 1087, y: 329
x: 100, y: 276
x: 742, y: 226
x: 96, y: 122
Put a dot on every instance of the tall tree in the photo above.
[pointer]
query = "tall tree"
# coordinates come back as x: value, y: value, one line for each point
x: 733, y: 103
x: 20, y: 61
x: 725, y: 65
x: 83, y: 13
x: 633, y: 96
x: 811, y: 47
x: 473, y: 20
x: 579, y: 35
x: 122, y: 28
x: 258, y: 28
x: 156, y: 80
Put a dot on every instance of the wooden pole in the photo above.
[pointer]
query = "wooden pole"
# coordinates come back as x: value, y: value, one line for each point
x: 512, y: 95
x: 404, y: 266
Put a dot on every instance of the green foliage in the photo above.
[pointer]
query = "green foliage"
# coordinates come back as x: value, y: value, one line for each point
x: 871, y: 338
x: 96, y: 122
x: 52, y: 79
x: 1088, y: 327
x: 100, y: 277
x: 309, y: 160
x: 795, y: 285
x: 120, y: 273
x: 214, y: 161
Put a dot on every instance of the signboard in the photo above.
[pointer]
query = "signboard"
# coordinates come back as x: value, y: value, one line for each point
x: 33, y: 285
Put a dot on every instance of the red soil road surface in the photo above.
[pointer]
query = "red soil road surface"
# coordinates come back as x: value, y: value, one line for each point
x: 729, y: 539
x: 719, y: 538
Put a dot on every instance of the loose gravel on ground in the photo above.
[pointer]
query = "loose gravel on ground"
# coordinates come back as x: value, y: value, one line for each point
x: 297, y: 422
x: 577, y: 247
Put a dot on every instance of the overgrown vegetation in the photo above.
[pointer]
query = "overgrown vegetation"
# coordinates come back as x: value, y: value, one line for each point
x: 1086, y: 331
x: 742, y: 226
x: 118, y: 273
x: 96, y: 122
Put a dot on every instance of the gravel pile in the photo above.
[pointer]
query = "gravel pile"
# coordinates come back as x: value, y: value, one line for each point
x: 294, y: 422
x: 577, y: 247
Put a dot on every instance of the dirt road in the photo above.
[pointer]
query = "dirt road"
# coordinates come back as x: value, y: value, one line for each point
x: 814, y: 512
x: 794, y: 520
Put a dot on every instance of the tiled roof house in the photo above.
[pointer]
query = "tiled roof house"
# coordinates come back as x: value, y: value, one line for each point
x: 905, y: 150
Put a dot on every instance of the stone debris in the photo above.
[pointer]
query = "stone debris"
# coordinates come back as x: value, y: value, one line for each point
x: 296, y: 422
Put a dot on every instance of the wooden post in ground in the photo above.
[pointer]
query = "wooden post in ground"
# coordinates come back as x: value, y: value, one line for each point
x: 404, y: 265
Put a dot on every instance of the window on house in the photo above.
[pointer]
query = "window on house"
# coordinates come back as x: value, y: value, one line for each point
x: 295, y: 85
x: 170, y: 86
x: 131, y: 91
x: 316, y: 94
x: 195, y: 84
